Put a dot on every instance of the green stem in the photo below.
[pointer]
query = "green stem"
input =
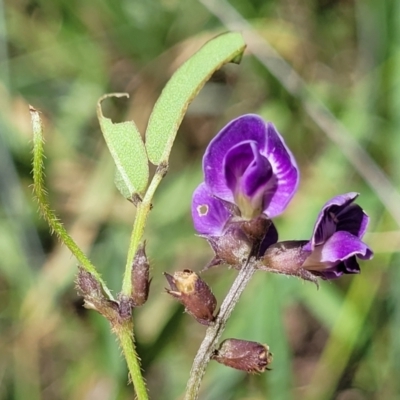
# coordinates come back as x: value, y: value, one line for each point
x: 124, y: 330
x: 214, y: 332
x: 125, y: 336
x: 44, y: 207
x: 142, y: 213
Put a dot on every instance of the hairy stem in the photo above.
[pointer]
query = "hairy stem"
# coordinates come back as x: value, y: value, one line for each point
x: 44, y: 207
x: 125, y: 336
x: 215, y: 331
x: 123, y: 330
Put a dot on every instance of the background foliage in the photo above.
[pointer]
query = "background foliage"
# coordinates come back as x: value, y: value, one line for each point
x: 340, y: 342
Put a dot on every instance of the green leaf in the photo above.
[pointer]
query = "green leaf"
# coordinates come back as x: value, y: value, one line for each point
x: 121, y: 186
x: 183, y: 86
x: 128, y: 151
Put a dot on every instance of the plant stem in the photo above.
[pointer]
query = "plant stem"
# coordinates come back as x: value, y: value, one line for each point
x: 44, y: 207
x: 125, y: 336
x: 123, y: 330
x: 142, y: 212
x: 215, y: 331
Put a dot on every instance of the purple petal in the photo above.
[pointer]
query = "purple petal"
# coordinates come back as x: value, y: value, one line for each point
x: 353, y: 219
x: 245, y: 128
x: 285, y: 170
x: 209, y: 213
x: 249, y: 175
x: 270, y: 238
x: 327, y: 220
x: 269, y: 144
x: 349, y: 266
x: 337, y: 255
x: 335, y: 272
x: 343, y: 245
x: 244, y: 162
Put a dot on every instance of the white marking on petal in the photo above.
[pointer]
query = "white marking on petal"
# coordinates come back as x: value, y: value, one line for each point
x: 202, y: 210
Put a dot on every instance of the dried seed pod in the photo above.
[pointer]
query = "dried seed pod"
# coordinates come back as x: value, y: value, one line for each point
x: 244, y: 355
x: 189, y: 289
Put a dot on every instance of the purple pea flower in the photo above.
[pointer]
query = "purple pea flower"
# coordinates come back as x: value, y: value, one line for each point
x: 336, y: 240
x: 249, y: 177
x: 333, y: 248
x: 248, y: 171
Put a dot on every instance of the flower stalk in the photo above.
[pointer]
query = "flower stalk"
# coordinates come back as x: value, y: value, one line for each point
x: 214, y: 332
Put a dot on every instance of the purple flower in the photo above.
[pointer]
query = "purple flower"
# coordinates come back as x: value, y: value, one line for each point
x: 336, y: 240
x: 333, y: 248
x: 248, y: 171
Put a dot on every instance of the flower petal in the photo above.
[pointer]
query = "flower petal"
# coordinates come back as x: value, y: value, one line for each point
x: 208, y: 212
x: 243, y: 162
x: 270, y: 145
x: 337, y: 271
x: 354, y: 220
x: 285, y: 170
x: 245, y: 128
x: 349, y: 266
x: 327, y: 220
x: 249, y: 175
x: 270, y: 238
x: 343, y: 245
x: 337, y: 256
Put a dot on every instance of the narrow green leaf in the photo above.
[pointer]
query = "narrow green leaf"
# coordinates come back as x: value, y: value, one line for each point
x: 183, y: 86
x: 127, y: 149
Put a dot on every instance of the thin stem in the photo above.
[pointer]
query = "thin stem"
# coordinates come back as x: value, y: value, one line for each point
x: 215, y: 331
x: 44, y: 207
x: 142, y: 213
x: 125, y: 336
x: 124, y: 329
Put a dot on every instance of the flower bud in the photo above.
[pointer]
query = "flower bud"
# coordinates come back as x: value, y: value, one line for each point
x: 190, y: 290
x: 90, y: 289
x: 140, y: 277
x: 244, y: 355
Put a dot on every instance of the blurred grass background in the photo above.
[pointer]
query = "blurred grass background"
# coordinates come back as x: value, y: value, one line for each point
x: 341, y: 342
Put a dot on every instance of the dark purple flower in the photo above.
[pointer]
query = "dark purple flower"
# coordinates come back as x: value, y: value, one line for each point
x: 336, y: 240
x: 333, y: 248
x: 248, y: 171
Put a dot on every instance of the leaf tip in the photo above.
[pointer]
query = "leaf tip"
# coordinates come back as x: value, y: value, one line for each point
x: 104, y: 97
